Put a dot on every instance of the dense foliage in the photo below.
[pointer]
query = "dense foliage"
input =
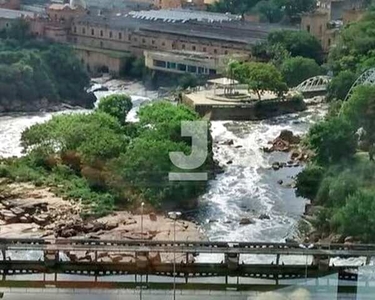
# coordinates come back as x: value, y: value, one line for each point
x: 101, y: 159
x: 341, y: 177
x: 352, y: 55
x: 298, y: 43
x: 31, y: 70
x: 117, y: 106
x: 271, y: 10
x: 297, y: 69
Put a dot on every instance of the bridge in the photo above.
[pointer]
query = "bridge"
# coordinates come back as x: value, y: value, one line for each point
x: 49, y: 260
x: 314, y: 86
x: 367, y: 77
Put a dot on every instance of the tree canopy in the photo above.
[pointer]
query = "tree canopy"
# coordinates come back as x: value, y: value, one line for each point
x: 298, y: 43
x: 100, y: 158
x: 272, y: 10
x: 297, y: 69
x: 33, y: 70
x: 259, y: 77
x: 354, y: 50
x: 116, y: 105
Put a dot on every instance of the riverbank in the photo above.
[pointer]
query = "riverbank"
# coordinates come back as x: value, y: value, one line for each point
x: 28, y: 211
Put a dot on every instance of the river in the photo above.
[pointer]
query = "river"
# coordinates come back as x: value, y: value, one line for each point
x: 246, y: 188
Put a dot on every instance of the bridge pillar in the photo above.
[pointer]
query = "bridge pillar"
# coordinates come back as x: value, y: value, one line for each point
x: 141, y: 260
x: 322, y: 262
x: 232, y: 260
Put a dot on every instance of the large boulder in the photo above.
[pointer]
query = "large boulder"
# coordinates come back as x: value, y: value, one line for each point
x: 288, y: 136
x: 246, y: 221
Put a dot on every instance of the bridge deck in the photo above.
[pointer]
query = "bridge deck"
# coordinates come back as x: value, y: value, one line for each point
x: 50, y: 262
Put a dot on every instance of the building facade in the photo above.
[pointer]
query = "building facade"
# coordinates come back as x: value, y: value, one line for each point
x: 326, y: 22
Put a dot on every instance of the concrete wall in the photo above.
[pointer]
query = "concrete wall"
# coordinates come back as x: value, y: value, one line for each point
x: 94, y: 61
x: 103, y: 37
x: 256, y: 111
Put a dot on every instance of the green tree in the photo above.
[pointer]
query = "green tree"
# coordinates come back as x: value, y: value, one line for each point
x: 275, y: 53
x: 357, y: 217
x: 340, y: 85
x: 163, y: 119
x: 260, y: 77
x: 332, y: 140
x: 298, y: 43
x: 294, y: 8
x: 354, y: 48
x: 94, y: 136
x: 309, y: 180
x: 239, y: 7
x: 359, y: 110
x: 297, y: 69
x: 117, y: 106
x: 270, y: 10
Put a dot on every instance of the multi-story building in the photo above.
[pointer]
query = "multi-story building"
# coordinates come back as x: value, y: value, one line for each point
x: 200, y: 40
x: 326, y: 22
x: 168, y: 31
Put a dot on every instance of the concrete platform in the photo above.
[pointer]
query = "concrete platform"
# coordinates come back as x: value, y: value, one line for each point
x: 215, y: 106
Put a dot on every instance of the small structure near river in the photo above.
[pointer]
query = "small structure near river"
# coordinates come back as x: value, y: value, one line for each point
x: 225, y: 99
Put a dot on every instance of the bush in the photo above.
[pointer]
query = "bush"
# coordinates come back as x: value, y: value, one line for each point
x: 117, y: 106
x: 357, y: 217
x: 332, y: 140
x: 308, y: 181
x: 340, y: 85
x: 297, y: 69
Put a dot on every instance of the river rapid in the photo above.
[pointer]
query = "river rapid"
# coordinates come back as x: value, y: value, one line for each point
x: 248, y: 187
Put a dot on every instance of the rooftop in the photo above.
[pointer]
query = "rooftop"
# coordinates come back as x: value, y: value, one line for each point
x: 182, y: 15
x: 214, y: 26
x: 14, y: 14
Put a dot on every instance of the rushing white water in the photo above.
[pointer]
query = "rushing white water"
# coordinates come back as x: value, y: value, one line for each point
x: 246, y: 188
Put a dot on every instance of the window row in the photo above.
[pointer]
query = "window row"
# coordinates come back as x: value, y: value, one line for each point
x: 183, y: 67
x: 101, y: 33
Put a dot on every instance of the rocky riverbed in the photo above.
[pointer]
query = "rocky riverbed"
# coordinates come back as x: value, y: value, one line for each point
x: 27, y: 211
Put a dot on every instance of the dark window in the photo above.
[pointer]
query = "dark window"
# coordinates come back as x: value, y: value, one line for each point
x: 163, y: 43
x: 135, y: 39
x: 143, y: 41
x: 181, y: 67
x: 226, y: 52
x: 159, y: 63
x: 171, y: 65
x: 200, y: 70
x: 92, y: 31
x: 129, y: 37
x: 120, y: 36
x: 110, y: 34
x: 329, y: 42
x: 204, y: 49
x: 215, y: 51
x: 101, y: 32
x: 212, y: 72
x: 308, y: 28
x: 74, y: 29
x: 183, y: 46
x: 192, y: 69
x: 83, y: 30
x: 153, y: 42
x: 193, y: 48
